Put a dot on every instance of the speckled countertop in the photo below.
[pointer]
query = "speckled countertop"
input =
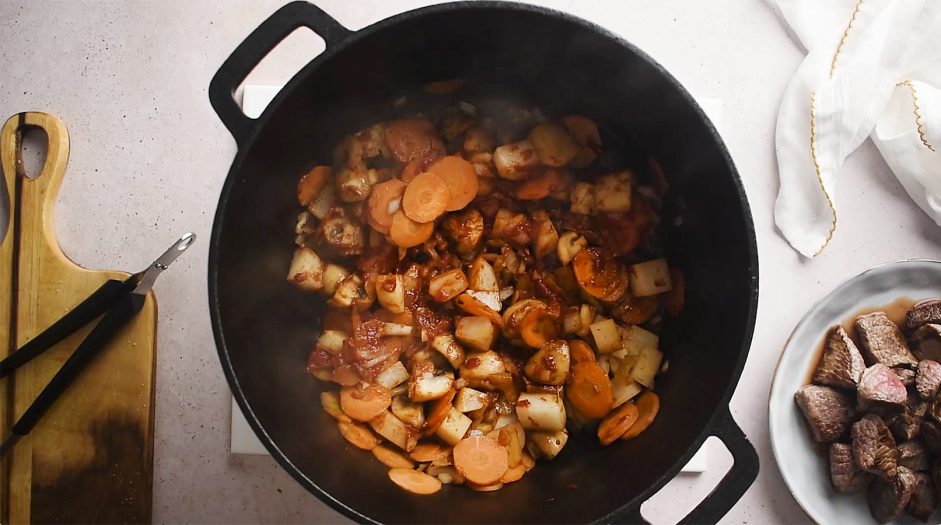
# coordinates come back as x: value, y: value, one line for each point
x: 149, y: 157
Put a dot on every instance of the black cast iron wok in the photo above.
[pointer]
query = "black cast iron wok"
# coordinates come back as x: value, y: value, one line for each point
x: 265, y: 328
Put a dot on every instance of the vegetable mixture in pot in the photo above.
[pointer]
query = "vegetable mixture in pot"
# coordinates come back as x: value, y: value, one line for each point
x: 489, y: 287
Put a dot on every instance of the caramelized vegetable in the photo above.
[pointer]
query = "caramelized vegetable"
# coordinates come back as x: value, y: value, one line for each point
x: 425, y: 198
x: 412, y: 139
x: 364, y: 401
x: 589, y: 390
x: 648, y: 405
x: 542, y: 185
x: 391, y: 458
x: 311, y: 183
x: 414, y: 481
x: 384, y: 201
x: 358, y: 435
x: 427, y: 452
x: 538, y: 328
x: 459, y: 177
x: 616, y: 423
x: 407, y: 233
x: 599, y: 274
x: 490, y: 301
x: 581, y: 352
x: 480, y: 460
x: 674, y: 300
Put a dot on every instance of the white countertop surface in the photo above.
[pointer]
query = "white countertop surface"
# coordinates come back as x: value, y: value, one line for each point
x: 149, y: 156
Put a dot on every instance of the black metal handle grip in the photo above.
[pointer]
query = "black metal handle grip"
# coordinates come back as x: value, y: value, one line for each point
x: 126, y: 308
x: 250, y: 52
x: 733, y: 485
x: 86, y: 312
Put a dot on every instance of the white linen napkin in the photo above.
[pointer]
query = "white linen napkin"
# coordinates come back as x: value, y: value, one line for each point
x: 873, y: 69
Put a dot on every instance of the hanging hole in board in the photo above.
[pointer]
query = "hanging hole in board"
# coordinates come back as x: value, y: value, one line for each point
x: 32, y: 154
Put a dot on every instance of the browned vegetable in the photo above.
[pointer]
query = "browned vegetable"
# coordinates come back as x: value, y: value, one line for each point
x: 480, y: 460
x: 414, y: 481
x: 391, y: 458
x: 364, y: 401
x: 358, y: 435
x: 589, y: 390
x: 648, y: 405
x: 600, y: 275
x: 616, y: 423
x: 311, y: 183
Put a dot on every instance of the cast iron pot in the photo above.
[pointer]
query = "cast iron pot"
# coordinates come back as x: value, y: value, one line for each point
x: 265, y: 328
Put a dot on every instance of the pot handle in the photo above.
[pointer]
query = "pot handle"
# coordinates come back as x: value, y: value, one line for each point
x: 736, y: 481
x: 251, y: 51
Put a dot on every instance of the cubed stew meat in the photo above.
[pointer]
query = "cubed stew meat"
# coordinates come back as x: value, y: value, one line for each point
x: 483, y: 293
x: 875, y: 401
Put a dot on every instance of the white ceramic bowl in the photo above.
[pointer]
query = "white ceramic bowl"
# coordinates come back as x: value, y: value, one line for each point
x: 803, y: 463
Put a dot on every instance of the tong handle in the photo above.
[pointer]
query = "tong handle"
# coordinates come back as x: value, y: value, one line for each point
x: 95, y: 305
x: 100, y: 336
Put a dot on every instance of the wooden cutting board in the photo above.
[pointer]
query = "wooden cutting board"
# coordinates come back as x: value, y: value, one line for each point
x: 90, y: 459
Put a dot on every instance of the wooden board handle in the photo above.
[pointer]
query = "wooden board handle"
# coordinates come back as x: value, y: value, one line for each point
x: 46, y: 184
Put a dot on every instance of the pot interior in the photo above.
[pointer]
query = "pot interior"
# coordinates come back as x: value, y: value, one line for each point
x: 267, y: 328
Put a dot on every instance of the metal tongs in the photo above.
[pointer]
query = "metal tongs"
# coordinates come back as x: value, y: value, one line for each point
x: 118, y: 301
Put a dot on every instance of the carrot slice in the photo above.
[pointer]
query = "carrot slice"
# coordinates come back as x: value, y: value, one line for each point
x: 648, y: 404
x: 426, y: 198
x: 580, y: 351
x: 311, y: 183
x: 384, y: 201
x: 590, y: 390
x: 414, y: 481
x: 475, y: 306
x: 484, y: 488
x: 538, y: 328
x: 480, y: 459
x: 331, y: 404
x: 438, y: 412
x: 514, y: 474
x: 460, y: 178
x: 407, y: 233
x: 542, y: 185
x: 425, y: 452
x: 345, y: 375
x: 358, y: 435
x: 391, y: 458
x: 617, y: 422
x: 674, y: 300
x: 364, y: 402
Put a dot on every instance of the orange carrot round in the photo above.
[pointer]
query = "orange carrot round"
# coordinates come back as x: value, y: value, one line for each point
x: 426, y: 452
x: 460, y: 178
x: 363, y: 402
x: 358, y: 435
x: 391, y: 458
x: 384, y: 201
x: 407, y: 233
x: 617, y: 422
x: 438, y: 412
x: 589, y: 390
x: 414, y: 481
x: 538, y: 328
x: 426, y: 198
x: 648, y: 404
x: 580, y: 351
x: 480, y: 459
x: 541, y: 185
